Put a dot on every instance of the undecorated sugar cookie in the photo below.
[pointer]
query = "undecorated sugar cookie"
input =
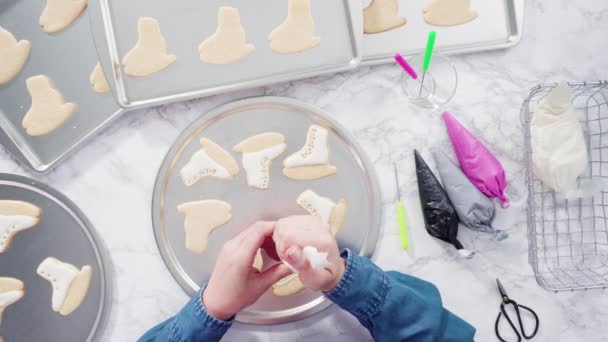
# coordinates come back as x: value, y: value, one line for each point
x: 150, y: 53
x: 288, y: 286
x: 258, y: 261
x: 296, y: 33
x: 11, y: 290
x: 330, y: 212
x: 228, y: 43
x: 258, y: 153
x: 16, y: 216
x: 448, y: 12
x: 210, y: 161
x: 202, y: 217
x: 13, y: 55
x: 98, y: 80
x: 312, y: 161
x: 59, y: 14
x: 69, y: 284
x: 381, y: 16
x: 48, y: 110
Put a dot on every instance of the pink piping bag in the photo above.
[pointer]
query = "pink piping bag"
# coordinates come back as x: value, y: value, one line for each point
x: 478, y: 164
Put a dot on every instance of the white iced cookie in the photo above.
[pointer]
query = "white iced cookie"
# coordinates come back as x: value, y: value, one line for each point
x: 258, y: 261
x: 98, y: 80
x: 210, y: 161
x: 48, y: 110
x: 381, y: 16
x: 330, y: 212
x: 202, y: 217
x: 228, y: 43
x: 448, y: 12
x: 258, y: 153
x: 69, y: 284
x: 288, y: 286
x: 13, y: 55
x: 296, y: 33
x: 59, y: 14
x: 11, y: 290
x: 16, y: 216
x: 312, y: 161
x: 150, y: 53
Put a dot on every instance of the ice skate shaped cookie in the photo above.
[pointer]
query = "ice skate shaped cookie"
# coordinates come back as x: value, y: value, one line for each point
x: 59, y: 14
x: 98, y: 80
x: 448, y: 12
x: 11, y: 290
x: 312, y: 161
x: 210, y: 161
x: 296, y: 33
x: 258, y: 153
x: 13, y: 55
x: 288, y: 286
x: 330, y: 212
x: 69, y: 284
x: 48, y: 110
x: 16, y: 216
x: 381, y: 16
x: 202, y: 217
x: 150, y: 53
x: 228, y: 43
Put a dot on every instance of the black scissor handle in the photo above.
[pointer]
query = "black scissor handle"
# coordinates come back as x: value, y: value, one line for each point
x: 521, y: 325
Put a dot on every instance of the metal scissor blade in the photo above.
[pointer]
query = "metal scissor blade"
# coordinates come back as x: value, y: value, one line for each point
x: 501, y: 289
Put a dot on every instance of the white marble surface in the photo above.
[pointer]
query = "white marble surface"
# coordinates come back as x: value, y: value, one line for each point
x: 111, y: 179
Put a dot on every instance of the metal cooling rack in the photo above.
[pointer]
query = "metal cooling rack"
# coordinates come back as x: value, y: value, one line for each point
x: 568, y: 239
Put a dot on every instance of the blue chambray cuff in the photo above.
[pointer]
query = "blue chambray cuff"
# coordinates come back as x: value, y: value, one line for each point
x: 338, y: 291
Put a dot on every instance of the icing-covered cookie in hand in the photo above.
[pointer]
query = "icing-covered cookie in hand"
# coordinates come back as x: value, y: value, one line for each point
x: 258, y: 153
x: 11, y: 290
x: 150, y: 53
x: 13, y: 55
x: 288, y: 286
x: 69, y: 284
x: 202, y: 217
x: 210, y: 161
x: 330, y: 212
x: 16, y: 216
x: 312, y: 161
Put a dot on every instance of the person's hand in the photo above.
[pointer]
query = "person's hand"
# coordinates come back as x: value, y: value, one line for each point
x: 294, y: 233
x: 234, y: 283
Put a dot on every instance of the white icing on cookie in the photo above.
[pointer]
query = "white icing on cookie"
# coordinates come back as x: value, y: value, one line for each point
x: 8, y: 298
x: 257, y: 165
x: 201, y: 165
x: 60, y: 275
x: 11, y: 225
x: 316, y: 205
x: 315, y: 150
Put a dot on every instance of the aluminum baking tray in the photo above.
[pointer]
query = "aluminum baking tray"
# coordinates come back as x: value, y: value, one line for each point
x: 498, y: 26
x: 227, y: 125
x: 65, y: 233
x: 67, y: 58
x: 185, y: 24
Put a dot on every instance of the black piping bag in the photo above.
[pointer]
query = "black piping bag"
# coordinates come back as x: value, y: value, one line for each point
x: 475, y: 210
x: 440, y: 218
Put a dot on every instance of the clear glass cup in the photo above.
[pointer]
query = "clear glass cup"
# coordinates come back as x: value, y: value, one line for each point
x: 439, y: 85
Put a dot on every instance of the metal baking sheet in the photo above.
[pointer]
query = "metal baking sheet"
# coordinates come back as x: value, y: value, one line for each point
x: 499, y: 25
x: 227, y: 125
x: 187, y: 23
x: 65, y: 233
x: 67, y: 58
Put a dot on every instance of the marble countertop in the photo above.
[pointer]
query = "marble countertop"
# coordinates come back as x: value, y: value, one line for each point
x: 112, y: 177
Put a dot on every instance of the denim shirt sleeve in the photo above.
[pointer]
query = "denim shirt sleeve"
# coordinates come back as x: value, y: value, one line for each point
x: 192, y: 323
x: 394, y: 306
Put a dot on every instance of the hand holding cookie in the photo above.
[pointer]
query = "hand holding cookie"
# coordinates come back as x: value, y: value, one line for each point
x: 295, y: 233
x: 235, y: 283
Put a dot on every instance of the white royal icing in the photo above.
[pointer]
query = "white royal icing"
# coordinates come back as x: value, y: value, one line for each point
x: 315, y: 150
x: 202, y: 165
x: 11, y: 225
x: 317, y: 259
x: 60, y: 275
x: 9, y: 297
x: 316, y: 205
x: 257, y: 165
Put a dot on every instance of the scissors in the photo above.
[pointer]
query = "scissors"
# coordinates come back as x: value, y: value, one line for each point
x: 508, y: 301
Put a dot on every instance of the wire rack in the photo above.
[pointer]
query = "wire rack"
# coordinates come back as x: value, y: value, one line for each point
x: 568, y: 239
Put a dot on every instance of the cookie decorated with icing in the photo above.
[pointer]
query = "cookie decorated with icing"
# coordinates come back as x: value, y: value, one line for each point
x: 69, y: 284
x: 202, y: 217
x: 16, y: 216
x: 11, y: 290
x: 288, y: 286
x: 258, y: 153
x: 210, y: 161
x: 330, y: 212
x: 311, y: 161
